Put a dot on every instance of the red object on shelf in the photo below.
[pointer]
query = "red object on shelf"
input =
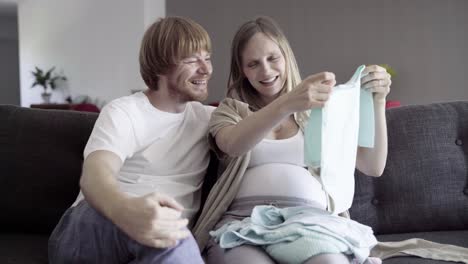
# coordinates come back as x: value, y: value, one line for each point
x: 391, y: 104
x: 85, y: 108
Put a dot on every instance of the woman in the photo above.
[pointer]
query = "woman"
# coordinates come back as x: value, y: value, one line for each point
x: 258, y: 132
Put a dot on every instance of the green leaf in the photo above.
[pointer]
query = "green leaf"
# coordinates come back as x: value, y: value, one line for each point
x: 46, y: 79
x: 389, y: 69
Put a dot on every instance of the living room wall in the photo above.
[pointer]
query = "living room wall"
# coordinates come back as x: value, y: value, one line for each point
x: 423, y: 40
x: 9, y: 62
x: 94, y: 44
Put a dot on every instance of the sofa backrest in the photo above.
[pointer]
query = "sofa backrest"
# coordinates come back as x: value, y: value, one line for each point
x: 41, y: 154
x: 424, y: 186
x: 425, y: 183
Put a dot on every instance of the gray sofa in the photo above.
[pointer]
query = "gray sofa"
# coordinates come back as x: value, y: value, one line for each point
x: 423, y: 192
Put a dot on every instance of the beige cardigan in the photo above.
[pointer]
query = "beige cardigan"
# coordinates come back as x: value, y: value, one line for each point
x: 231, y: 112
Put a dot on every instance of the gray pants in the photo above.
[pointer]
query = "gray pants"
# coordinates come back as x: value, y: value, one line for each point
x: 85, y: 236
x: 239, y: 209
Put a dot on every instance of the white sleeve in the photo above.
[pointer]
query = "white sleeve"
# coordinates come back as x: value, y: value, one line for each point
x: 113, y: 131
x: 209, y: 110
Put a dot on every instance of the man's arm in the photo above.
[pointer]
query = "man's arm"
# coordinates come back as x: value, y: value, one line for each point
x: 152, y: 220
x: 98, y: 182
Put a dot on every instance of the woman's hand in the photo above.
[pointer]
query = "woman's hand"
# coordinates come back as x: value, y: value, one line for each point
x: 377, y: 80
x: 312, y: 92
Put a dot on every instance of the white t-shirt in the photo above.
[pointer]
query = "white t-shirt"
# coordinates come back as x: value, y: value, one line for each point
x: 161, y: 152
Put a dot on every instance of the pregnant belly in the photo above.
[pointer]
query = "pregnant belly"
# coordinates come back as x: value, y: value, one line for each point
x: 278, y: 179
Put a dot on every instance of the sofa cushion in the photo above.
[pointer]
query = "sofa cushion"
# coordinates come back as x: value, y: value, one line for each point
x: 425, y: 183
x: 458, y: 238
x: 23, y: 248
x: 40, y: 165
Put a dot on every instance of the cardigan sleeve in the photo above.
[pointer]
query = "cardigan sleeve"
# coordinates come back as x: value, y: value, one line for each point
x: 228, y: 113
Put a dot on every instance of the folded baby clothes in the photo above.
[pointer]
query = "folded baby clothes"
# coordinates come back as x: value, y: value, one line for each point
x: 295, y: 234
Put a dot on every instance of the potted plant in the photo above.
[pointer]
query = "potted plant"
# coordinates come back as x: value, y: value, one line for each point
x: 46, y: 80
x: 389, y: 69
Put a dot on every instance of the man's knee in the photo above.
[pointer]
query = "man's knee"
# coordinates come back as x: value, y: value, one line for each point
x: 186, y: 251
x: 84, y: 236
x: 242, y: 254
x: 189, y: 245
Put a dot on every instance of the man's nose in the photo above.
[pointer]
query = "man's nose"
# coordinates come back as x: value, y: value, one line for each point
x: 205, y: 67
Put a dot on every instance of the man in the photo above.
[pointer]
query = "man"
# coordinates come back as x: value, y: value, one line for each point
x: 145, y: 160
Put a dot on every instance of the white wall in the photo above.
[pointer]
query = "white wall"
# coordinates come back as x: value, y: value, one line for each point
x: 95, y: 44
x: 153, y: 10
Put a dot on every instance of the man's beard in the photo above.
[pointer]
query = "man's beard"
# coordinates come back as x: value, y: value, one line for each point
x: 187, y: 95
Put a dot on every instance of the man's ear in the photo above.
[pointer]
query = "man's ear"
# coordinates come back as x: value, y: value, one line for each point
x: 162, y: 80
x: 162, y: 76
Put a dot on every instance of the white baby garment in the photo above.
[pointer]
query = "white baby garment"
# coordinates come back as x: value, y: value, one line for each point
x: 332, y: 135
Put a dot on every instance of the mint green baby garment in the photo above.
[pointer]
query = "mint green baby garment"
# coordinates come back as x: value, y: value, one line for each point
x: 295, y: 234
x: 332, y: 135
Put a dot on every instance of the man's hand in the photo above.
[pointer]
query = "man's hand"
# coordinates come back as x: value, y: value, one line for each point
x: 153, y: 220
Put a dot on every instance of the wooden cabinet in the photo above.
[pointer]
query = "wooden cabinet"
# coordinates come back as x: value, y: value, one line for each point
x: 53, y: 106
x: 76, y: 107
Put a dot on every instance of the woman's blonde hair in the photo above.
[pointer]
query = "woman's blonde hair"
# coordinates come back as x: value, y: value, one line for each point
x: 239, y: 86
x: 166, y: 42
